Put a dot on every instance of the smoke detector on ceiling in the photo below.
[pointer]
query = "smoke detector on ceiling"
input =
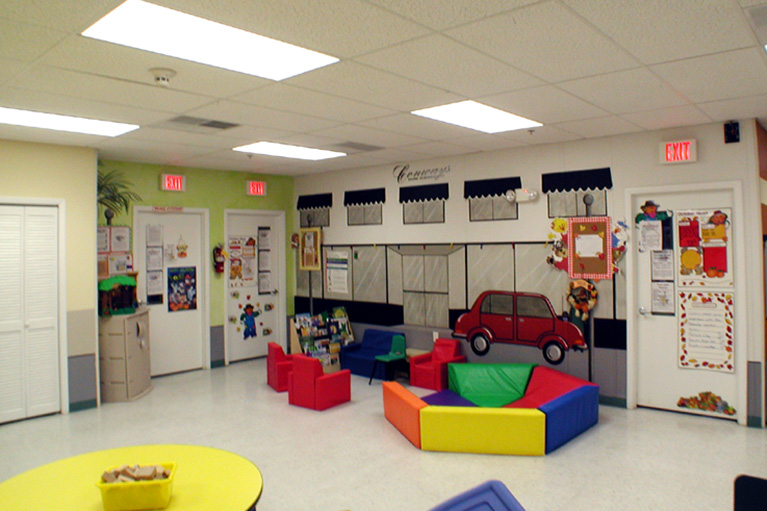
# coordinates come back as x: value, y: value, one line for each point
x: 162, y: 76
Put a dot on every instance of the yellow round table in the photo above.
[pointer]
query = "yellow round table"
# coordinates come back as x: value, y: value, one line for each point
x: 206, y: 479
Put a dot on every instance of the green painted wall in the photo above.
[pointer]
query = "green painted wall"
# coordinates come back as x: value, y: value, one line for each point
x: 217, y: 191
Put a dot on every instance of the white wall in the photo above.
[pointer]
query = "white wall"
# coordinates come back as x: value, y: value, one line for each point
x: 633, y: 159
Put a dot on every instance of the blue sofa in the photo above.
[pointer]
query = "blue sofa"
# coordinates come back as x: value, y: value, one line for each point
x: 360, y: 357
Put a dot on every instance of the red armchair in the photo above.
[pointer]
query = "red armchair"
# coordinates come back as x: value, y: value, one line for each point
x: 430, y: 369
x: 309, y: 387
x: 278, y: 365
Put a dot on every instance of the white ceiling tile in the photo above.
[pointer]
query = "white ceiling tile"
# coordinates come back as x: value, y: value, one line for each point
x: 740, y: 108
x: 96, y: 88
x: 442, y: 62
x: 66, y: 105
x: 169, y: 136
x: 75, y: 14
x: 625, y: 91
x: 340, y: 28
x: 659, y: 30
x: 48, y: 136
x: 541, y: 135
x: 440, y: 15
x: 733, y: 74
x: 546, y: 105
x: 399, y: 155
x: 600, y: 127
x: 281, y: 96
x: 95, y: 57
x: 240, y: 113
x: 9, y: 69
x: 363, y: 135
x: 547, y: 41
x: 668, y: 117
x: 373, y: 86
x: 487, y: 142
x: 21, y: 41
x: 434, y: 148
x: 151, y: 151
x: 241, y: 135
x: 417, y: 126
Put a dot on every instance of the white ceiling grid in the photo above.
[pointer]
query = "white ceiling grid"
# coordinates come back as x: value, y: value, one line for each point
x: 583, y: 68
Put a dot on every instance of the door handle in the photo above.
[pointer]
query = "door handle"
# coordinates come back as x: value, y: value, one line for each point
x: 643, y: 311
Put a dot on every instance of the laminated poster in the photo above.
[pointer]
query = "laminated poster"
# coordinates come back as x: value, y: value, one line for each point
x: 706, y: 331
x: 704, y: 250
x: 337, y: 272
x: 182, y: 289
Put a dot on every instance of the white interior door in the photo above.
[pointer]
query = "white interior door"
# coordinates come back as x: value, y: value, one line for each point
x: 170, y: 251
x: 29, y: 312
x: 255, y: 282
x: 659, y: 358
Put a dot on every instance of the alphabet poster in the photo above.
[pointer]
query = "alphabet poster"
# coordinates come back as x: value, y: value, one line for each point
x: 706, y: 331
x: 704, y: 250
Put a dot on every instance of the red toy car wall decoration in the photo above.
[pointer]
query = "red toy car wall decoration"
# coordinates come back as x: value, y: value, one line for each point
x: 521, y: 318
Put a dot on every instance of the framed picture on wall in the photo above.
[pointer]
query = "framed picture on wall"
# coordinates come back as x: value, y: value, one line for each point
x: 309, y: 249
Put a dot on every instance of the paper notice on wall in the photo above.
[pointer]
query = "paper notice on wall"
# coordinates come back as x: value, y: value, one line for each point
x: 337, y: 272
x: 650, y: 235
x: 663, y: 298
x: 706, y: 338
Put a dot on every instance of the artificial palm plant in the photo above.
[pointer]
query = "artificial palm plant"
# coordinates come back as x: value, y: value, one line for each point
x: 114, y: 193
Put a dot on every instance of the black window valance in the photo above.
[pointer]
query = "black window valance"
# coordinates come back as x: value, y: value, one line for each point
x: 594, y: 179
x: 361, y: 197
x: 490, y: 187
x: 320, y: 200
x: 424, y: 193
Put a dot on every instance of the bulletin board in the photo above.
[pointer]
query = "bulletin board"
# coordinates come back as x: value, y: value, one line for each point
x: 589, y: 243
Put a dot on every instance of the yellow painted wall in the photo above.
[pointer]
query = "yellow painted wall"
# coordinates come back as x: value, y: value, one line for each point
x: 60, y: 172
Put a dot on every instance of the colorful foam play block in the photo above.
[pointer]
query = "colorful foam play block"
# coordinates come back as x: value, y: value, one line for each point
x: 402, y: 408
x: 488, y: 496
x: 570, y: 415
x: 483, y: 430
x: 547, y: 384
x: 489, y: 385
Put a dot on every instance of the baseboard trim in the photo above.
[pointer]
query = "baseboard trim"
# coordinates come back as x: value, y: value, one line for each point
x: 216, y: 363
x: 83, y: 405
x: 617, y: 402
x: 754, y: 422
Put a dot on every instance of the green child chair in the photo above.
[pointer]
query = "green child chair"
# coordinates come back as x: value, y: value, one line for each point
x: 395, y: 356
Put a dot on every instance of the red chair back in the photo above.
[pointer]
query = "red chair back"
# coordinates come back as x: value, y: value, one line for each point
x: 445, y: 349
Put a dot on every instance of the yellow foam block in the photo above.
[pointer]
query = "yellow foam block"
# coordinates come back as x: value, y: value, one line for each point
x: 520, y: 431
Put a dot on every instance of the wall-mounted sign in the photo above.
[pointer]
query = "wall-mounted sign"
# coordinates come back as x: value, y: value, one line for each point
x: 680, y: 151
x: 404, y: 174
x: 173, y: 183
x: 257, y: 188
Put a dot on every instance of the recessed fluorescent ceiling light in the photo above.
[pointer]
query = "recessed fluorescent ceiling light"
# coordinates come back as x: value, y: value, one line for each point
x: 161, y: 30
x: 477, y: 116
x: 288, y: 151
x: 63, y: 123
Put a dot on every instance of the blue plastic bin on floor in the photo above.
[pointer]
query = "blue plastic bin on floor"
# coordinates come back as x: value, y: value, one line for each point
x: 489, y: 496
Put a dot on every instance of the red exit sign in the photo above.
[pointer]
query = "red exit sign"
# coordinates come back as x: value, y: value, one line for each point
x: 173, y: 183
x: 257, y: 188
x: 679, y: 151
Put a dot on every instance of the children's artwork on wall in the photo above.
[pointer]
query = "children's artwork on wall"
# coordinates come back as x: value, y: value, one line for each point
x: 589, y: 247
x: 558, y: 239
x: 182, y: 289
x: 242, y: 260
x: 248, y: 320
x: 706, y: 339
x: 706, y: 401
x: 651, y: 227
x: 704, y: 250
x: 309, y: 249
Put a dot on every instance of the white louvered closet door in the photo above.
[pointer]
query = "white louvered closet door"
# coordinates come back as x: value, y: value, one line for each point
x: 29, y: 336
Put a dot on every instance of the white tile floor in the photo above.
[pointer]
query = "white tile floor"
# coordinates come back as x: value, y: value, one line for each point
x: 350, y: 457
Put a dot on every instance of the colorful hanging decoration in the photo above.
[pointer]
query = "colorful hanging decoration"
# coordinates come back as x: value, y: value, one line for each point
x: 582, y: 297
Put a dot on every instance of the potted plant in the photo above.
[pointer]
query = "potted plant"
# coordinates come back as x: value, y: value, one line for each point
x: 114, y: 193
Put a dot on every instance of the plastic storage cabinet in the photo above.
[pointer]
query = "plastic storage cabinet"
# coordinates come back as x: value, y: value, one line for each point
x: 124, y: 356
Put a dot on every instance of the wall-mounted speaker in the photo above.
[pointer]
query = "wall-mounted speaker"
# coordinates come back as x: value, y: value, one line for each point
x: 731, y: 132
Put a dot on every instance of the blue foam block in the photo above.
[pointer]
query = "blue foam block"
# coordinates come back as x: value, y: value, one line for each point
x: 488, y: 496
x: 570, y: 415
